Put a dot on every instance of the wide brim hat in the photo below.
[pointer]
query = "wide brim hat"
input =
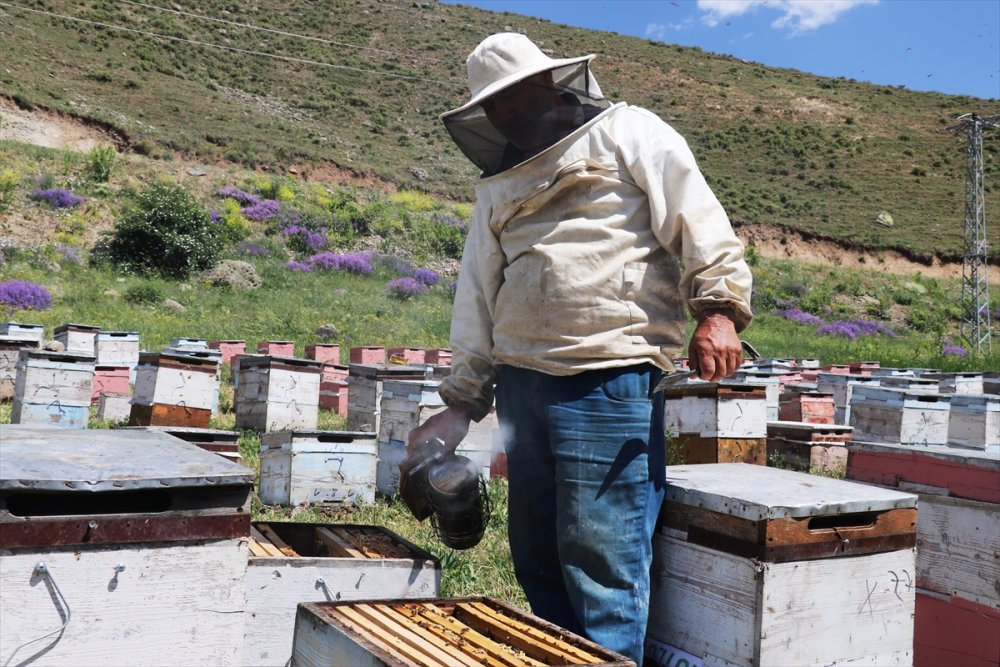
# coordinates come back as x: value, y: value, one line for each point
x: 503, y: 59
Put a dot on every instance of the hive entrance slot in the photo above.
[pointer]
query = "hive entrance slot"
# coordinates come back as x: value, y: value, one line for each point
x: 837, y: 521
x: 59, y: 503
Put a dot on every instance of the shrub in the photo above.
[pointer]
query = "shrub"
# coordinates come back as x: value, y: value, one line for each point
x: 57, y: 197
x: 233, y: 225
x: 352, y: 262
x: 16, y: 295
x: 101, y: 162
x: 9, y: 180
x: 413, y: 200
x: 144, y: 294
x: 262, y: 211
x: 426, y: 277
x: 404, y: 288
x: 163, y: 231
x: 244, y: 198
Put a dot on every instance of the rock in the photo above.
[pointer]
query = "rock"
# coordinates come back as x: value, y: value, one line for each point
x: 234, y: 273
x: 170, y: 304
x: 293, y: 170
x: 195, y: 171
x: 340, y: 292
x: 53, y: 346
x: 184, y: 287
x: 418, y: 173
x: 328, y: 332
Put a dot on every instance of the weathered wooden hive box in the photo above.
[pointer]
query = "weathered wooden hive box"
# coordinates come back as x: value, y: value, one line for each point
x: 328, y: 353
x: 367, y: 354
x: 909, y: 382
x: 32, y: 333
x: 958, y: 545
x: 763, y: 566
x: 718, y: 422
x: 110, y: 379
x: 957, y: 383
x: 117, y: 348
x: 189, y: 343
x: 438, y: 633
x: 228, y: 348
x: 439, y: 356
x: 134, y: 542
x: 301, y: 562
x: 276, y: 348
x: 771, y: 382
x: 974, y: 420
x: 173, y: 389
x: 218, y: 441
x: 879, y: 414
x: 407, y: 355
x: 842, y: 387
x: 10, y: 352
x: 365, y: 386
x: 333, y: 388
x: 277, y: 393
x: 78, y: 338
x: 114, y: 407
x: 321, y: 467
x: 806, y: 405
x: 52, y: 388
x: 407, y: 404
x: 807, y: 447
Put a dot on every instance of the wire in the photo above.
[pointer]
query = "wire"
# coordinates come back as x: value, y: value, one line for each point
x: 42, y: 569
x: 283, y: 32
x: 234, y: 49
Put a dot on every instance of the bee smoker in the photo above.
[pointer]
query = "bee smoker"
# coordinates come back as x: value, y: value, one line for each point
x: 437, y: 483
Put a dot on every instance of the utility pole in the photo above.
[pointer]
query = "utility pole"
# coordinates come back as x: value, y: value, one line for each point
x: 975, y: 326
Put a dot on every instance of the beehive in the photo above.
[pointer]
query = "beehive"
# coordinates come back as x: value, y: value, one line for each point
x: 33, y: 334
x: 439, y: 356
x: 957, y: 383
x: 974, y: 420
x: 110, y: 379
x: 10, y: 351
x: 771, y: 381
x: 189, y: 344
x: 406, y: 355
x: 717, y: 422
x: 228, y: 348
x: 328, y: 353
x: 143, y: 536
x: 52, y: 388
x: 77, y: 338
x: 320, y: 467
x: 302, y: 562
x: 276, y: 348
x: 842, y: 387
x: 909, y: 382
x: 813, y: 407
x: 173, y: 389
x: 958, y: 538
x: 367, y: 354
x: 808, y: 447
x: 761, y: 566
x: 114, y: 407
x: 436, y: 633
x: 277, y: 393
x: 117, y: 348
x: 218, y: 441
x: 899, y: 416
x: 333, y: 388
x: 365, y: 387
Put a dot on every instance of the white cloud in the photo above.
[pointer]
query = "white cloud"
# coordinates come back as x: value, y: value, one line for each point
x: 659, y: 30
x: 798, y: 16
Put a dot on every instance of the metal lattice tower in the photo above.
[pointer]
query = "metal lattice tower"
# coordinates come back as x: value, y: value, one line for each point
x: 975, y: 327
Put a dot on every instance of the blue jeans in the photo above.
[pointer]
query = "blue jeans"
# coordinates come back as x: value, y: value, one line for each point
x: 586, y: 461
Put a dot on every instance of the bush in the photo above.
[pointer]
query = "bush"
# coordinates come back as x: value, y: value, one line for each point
x: 16, y: 295
x: 162, y: 232
x: 57, y: 198
x: 101, y: 162
x: 147, y: 294
x: 9, y: 180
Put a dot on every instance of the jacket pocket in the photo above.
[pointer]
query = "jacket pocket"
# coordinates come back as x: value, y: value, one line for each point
x: 633, y: 276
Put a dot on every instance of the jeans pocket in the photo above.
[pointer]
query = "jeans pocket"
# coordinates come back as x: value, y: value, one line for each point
x: 631, y: 386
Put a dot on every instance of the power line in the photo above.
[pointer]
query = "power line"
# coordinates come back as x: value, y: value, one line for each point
x: 283, y: 32
x: 234, y: 49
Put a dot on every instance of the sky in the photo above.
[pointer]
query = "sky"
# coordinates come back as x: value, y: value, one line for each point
x: 945, y: 46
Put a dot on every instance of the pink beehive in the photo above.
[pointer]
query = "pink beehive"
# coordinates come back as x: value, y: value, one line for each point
x: 863, y: 367
x: 229, y: 349
x: 407, y: 355
x: 438, y: 355
x: 333, y: 395
x: 368, y: 354
x: 110, y: 380
x: 325, y: 352
x: 276, y: 348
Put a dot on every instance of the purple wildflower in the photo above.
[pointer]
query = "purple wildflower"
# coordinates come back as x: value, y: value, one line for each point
x: 800, y: 316
x: 395, y: 264
x: 452, y: 287
x: 18, y: 295
x: 252, y: 249
x: 404, y: 288
x: 262, y: 211
x: 954, y: 351
x: 57, y: 197
x: 299, y: 266
x: 854, y: 329
x: 426, y: 277
x: 69, y: 253
x: 304, y: 238
x: 244, y: 198
x: 214, y: 216
x: 352, y: 262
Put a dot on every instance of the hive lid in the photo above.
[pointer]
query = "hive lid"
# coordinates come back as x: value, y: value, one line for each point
x: 965, y: 457
x: 56, y: 459
x: 755, y: 492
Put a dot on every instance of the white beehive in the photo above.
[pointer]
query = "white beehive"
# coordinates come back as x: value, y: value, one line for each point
x: 143, y: 539
x: 957, y: 383
x: 364, y: 396
x: 10, y: 352
x: 53, y: 388
x: 879, y: 414
x: 173, y: 389
x: 320, y: 467
x: 277, y: 393
x: 77, y: 337
x: 117, y: 348
x: 33, y: 334
x: 772, y: 384
x: 758, y: 566
x: 717, y: 422
x: 974, y: 420
x: 842, y: 387
x: 299, y: 562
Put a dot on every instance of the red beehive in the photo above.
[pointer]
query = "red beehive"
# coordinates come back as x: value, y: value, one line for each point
x: 325, y: 352
x: 110, y: 380
x: 276, y: 348
x: 229, y: 349
x: 368, y: 354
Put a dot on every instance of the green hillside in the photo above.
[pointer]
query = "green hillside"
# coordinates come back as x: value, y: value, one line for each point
x: 355, y: 87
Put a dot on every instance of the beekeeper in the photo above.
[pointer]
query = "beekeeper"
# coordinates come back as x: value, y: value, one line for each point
x: 594, y: 231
